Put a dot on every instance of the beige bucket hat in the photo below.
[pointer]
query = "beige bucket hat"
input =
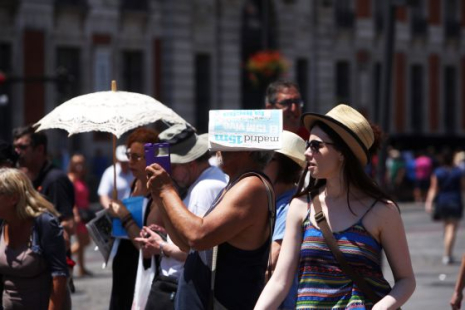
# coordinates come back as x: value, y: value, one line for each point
x: 185, y: 145
x: 350, y: 125
x: 293, y: 146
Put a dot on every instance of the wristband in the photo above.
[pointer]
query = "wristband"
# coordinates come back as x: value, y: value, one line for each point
x: 125, y: 219
x: 128, y: 223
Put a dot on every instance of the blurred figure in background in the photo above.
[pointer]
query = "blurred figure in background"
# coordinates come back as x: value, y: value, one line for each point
x: 459, y: 160
x: 124, y: 179
x: 32, y: 248
x: 76, y: 173
x: 444, y: 200
x: 423, y: 170
x: 8, y: 156
x: 395, y: 172
x: 285, y: 95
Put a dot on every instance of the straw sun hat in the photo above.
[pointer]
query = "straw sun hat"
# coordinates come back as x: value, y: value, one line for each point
x: 350, y: 125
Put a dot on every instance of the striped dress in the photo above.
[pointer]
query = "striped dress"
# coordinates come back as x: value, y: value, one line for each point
x: 322, y: 284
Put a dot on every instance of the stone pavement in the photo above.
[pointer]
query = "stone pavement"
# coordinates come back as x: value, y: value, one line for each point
x: 93, y: 293
x: 435, y: 281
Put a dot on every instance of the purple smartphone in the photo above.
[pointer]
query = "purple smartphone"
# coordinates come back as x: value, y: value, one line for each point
x: 158, y: 153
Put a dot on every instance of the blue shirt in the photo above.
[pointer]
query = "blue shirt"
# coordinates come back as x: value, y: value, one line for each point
x: 282, y: 206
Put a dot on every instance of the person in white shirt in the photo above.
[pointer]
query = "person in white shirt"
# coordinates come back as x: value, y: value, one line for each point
x: 124, y: 179
x: 202, y: 182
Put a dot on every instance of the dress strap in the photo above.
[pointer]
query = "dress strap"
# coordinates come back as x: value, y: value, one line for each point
x: 369, y: 209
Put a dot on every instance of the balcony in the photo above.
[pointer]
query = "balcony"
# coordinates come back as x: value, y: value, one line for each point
x: 419, y: 27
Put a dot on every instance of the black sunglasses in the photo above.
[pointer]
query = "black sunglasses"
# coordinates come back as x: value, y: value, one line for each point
x: 134, y: 156
x: 315, y: 145
x: 290, y: 101
x: 21, y: 146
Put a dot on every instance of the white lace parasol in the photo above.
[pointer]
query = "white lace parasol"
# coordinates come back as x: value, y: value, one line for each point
x: 109, y: 111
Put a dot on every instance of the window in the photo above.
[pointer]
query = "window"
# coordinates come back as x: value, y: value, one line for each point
x: 378, y: 15
x: 138, y: 5
x: 302, y: 80
x: 418, y: 20
x: 102, y: 68
x: 5, y: 93
x: 102, y: 79
x: 451, y: 23
x: 344, y: 13
x: 132, y: 75
x: 343, y: 82
x: 71, y: 3
x: 450, y: 102
x: 416, y: 97
x: 203, y: 96
x: 68, y: 73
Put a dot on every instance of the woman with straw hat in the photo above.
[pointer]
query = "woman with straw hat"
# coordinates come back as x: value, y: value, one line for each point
x: 360, y: 218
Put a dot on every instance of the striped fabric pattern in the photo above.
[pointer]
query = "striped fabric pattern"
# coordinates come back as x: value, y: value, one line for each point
x: 322, y: 284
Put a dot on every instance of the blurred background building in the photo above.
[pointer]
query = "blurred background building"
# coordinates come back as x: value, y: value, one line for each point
x: 192, y: 56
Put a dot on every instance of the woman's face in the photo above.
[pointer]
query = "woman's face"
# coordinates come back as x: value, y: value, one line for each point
x: 324, y: 160
x: 137, y: 160
x: 78, y: 163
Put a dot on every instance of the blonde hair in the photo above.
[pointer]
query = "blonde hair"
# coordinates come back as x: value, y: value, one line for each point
x: 30, y: 202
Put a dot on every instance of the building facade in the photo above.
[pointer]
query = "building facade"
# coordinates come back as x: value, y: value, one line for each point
x: 191, y: 55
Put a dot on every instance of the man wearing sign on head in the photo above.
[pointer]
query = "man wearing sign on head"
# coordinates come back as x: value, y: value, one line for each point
x: 238, y: 223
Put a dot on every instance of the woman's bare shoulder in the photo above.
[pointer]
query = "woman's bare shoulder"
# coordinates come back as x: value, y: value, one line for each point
x: 299, y: 206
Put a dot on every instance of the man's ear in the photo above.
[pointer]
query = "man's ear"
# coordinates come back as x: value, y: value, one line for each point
x: 269, y: 106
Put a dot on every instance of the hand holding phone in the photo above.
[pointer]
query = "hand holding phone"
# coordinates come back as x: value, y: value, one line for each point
x: 158, y: 153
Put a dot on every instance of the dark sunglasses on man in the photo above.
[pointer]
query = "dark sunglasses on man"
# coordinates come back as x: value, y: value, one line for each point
x: 290, y: 101
x: 21, y: 146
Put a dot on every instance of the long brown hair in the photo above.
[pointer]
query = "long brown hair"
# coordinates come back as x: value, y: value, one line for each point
x: 353, y: 172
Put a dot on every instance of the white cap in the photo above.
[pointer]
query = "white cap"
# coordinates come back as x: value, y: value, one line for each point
x: 121, y: 153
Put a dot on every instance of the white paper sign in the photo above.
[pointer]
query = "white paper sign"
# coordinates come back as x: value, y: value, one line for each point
x: 235, y: 130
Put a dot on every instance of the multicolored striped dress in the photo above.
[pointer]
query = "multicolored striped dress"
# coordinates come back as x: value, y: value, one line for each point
x: 322, y: 284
